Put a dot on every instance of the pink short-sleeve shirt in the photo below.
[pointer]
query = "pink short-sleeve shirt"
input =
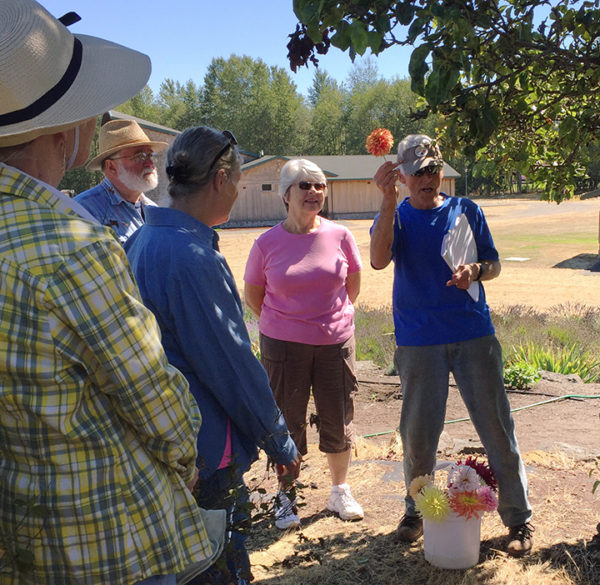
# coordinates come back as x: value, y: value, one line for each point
x: 304, y: 276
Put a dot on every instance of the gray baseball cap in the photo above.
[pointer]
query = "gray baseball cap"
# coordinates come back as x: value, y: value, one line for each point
x: 417, y: 151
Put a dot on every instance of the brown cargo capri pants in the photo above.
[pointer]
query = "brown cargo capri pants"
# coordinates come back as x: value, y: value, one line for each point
x: 295, y: 368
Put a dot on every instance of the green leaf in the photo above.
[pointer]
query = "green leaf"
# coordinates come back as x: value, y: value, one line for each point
x: 440, y: 83
x: 341, y: 39
x: 417, y: 66
x: 567, y: 126
x: 374, y: 41
x: 359, y: 37
x: 405, y: 13
x: 416, y: 29
x: 307, y: 10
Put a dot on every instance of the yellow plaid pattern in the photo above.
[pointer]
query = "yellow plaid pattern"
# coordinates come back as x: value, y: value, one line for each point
x: 94, y: 423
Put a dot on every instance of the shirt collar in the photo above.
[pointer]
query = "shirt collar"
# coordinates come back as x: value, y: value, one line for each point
x: 56, y: 200
x: 165, y: 216
x: 115, y: 197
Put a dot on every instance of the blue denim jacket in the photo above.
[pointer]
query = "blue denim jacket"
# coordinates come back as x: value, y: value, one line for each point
x: 110, y: 209
x: 186, y: 282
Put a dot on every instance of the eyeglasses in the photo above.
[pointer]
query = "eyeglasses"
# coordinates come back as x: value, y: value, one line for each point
x: 232, y: 142
x: 138, y: 158
x: 305, y: 186
x: 432, y: 169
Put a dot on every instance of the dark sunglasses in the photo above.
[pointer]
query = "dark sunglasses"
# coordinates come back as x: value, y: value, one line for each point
x: 231, y: 142
x: 432, y: 169
x: 305, y: 186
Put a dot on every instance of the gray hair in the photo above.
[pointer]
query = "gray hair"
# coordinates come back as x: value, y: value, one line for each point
x: 191, y: 159
x: 296, y: 170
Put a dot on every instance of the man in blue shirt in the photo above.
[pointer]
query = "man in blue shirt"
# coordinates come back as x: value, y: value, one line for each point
x: 442, y: 325
x: 126, y: 158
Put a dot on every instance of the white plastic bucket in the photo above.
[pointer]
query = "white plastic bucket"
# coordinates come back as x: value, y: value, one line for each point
x: 452, y: 543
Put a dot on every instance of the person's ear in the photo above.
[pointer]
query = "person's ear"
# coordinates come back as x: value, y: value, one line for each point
x: 401, y: 177
x: 219, y: 179
x: 110, y: 166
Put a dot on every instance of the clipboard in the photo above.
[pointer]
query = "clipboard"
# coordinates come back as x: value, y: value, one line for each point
x: 458, y: 247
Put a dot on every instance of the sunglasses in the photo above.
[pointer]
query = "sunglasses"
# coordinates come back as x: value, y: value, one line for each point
x: 305, y: 186
x: 429, y: 169
x: 139, y: 158
x: 231, y: 142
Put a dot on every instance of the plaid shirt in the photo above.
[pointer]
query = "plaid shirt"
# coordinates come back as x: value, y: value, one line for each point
x: 94, y: 423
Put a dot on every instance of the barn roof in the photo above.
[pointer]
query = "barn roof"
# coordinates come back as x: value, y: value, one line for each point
x: 348, y: 167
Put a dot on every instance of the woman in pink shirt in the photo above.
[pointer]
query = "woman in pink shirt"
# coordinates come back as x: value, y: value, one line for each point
x: 301, y: 279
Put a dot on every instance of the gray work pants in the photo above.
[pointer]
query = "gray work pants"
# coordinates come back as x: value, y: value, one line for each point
x: 477, y: 368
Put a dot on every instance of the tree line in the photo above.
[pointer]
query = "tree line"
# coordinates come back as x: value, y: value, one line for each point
x: 263, y: 108
x: 515, y: 83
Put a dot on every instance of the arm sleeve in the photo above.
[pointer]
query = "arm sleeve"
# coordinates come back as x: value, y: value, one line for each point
x: 255, y: 266
x: 352, y: 254
x: 208, y: 321
x: 483, y: 237
x: 95, y: 295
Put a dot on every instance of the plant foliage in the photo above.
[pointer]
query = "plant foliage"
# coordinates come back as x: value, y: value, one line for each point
x: 563, y: 360
x: 516, y: 81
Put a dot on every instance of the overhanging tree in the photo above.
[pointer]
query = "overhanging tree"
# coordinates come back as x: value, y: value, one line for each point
x: 516, y: 82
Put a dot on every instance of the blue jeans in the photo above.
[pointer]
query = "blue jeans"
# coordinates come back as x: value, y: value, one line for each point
x: 225, y: 489
x: 477, y: 368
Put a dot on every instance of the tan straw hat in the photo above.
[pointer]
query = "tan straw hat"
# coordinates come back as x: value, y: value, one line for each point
x: 118, y: 134
x: 51, y: 80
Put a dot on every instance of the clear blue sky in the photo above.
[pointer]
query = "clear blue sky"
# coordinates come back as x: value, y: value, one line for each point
x: 183, y: 36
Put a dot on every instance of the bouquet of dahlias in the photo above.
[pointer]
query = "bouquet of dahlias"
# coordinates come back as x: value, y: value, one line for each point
x: 379, y: 142
x: 470, y: 492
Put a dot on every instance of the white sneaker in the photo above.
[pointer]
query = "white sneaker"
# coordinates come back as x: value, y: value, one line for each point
x: 285, y: 512
x: 343, y: 504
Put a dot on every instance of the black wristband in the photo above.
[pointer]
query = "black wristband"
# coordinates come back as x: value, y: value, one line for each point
x: 482, y: 268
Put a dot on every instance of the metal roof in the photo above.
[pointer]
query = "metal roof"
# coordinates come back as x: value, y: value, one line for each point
x: 348, y: 167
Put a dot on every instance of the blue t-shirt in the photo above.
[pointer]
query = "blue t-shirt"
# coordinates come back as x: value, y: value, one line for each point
x: 426, y: 311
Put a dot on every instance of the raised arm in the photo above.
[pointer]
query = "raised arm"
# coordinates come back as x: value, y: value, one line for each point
x: 382, y: 235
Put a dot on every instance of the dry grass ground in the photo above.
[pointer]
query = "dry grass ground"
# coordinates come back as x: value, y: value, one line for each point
x: 558, y: 242
x: 327, y: 551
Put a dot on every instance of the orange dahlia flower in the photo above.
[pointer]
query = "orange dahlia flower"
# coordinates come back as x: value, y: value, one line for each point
x: 379, y: 142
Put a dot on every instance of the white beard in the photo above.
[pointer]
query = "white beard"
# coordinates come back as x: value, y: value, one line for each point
x: 144, y: 182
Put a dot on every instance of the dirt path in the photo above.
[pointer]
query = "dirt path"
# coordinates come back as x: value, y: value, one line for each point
x: 558, y: 437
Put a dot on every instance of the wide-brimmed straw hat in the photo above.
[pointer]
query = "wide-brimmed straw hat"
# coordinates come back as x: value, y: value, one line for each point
x: 117, y: 135
x: 51, y: 80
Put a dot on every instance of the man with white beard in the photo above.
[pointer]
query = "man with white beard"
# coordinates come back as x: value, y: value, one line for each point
x: 126, y: 157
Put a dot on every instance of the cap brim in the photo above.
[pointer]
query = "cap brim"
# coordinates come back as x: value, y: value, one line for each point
x: 411, y: 168
x: 110, y: 74
x: 95, y: 163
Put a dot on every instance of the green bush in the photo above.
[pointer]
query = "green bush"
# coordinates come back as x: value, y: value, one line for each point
x: 521, y: 376
x: 562, y: 360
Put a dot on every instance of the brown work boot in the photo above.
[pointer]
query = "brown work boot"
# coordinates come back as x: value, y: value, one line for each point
x: 410, y: 528
x: 520, y: 540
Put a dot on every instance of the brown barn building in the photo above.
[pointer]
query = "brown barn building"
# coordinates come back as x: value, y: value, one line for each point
x: 351, y: 192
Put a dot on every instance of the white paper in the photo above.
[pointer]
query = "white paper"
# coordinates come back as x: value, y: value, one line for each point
x: 458, y: 247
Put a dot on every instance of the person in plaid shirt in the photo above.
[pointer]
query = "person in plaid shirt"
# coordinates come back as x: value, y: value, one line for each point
x: 97, y: 430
